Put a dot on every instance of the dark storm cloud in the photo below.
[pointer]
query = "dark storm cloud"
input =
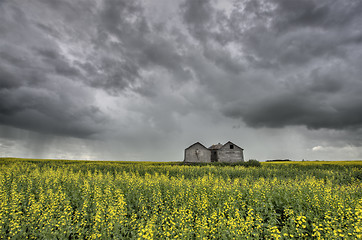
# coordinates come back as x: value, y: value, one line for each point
x: 300, y: 61
x: 81, y: 68
x: 38, y: 89
x: 199, y: 16
x: 312, y: 13
x: 51, y: 50
x: 288, y: 109
x: 59, y: 110
x: 303, y: 31
x: 129, y: 43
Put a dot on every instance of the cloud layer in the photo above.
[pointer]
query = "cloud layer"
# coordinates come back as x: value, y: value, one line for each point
x: 146, y: 73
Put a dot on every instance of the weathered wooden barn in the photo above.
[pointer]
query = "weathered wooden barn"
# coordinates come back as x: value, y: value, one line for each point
x: 228, y: 152
x: 197, y: 153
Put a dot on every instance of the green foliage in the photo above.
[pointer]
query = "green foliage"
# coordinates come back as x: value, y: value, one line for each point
x: 253, y: 163
x: 250, y: 163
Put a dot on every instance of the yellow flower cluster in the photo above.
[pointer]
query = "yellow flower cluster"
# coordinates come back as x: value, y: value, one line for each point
x: 44, y: 199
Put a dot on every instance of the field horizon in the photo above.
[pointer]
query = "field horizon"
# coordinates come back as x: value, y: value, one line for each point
x: 174, y: 161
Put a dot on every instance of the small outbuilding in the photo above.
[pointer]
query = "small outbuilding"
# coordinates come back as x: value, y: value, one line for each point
x: 197, y: 153
x: 228, y: 152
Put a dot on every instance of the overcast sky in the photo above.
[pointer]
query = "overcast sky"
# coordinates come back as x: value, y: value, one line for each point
x: 143, y: 80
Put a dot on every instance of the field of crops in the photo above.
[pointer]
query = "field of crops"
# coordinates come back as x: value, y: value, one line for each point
x: 43, y: 199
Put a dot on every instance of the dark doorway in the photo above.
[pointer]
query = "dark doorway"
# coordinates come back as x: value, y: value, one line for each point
x: 214, y: 156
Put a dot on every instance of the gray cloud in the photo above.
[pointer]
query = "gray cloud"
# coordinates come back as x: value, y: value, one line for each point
x: 38, y: 89
x: 303, y: 47
x: 147, y: 71
x: 198, y: 16
x: 48, y: 51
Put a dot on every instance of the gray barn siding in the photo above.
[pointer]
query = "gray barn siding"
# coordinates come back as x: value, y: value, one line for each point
x: 225, y: 154
x: 197, y: 153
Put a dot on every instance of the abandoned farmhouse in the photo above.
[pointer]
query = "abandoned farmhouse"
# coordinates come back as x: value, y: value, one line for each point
x: 228, y: 152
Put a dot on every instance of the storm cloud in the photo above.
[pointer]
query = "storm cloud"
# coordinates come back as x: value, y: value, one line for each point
x: 300, y: 60
x: 131, y: 73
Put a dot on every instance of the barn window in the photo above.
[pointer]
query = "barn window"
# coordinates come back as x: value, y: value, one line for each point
x: 231, y: 146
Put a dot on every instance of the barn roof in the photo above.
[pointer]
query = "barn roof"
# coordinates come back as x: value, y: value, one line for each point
x: 195, y: 144
x: 215, y: 146
x: 233, y: 144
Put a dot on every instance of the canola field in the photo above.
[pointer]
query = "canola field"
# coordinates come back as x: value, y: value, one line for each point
x: 52, y: 199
